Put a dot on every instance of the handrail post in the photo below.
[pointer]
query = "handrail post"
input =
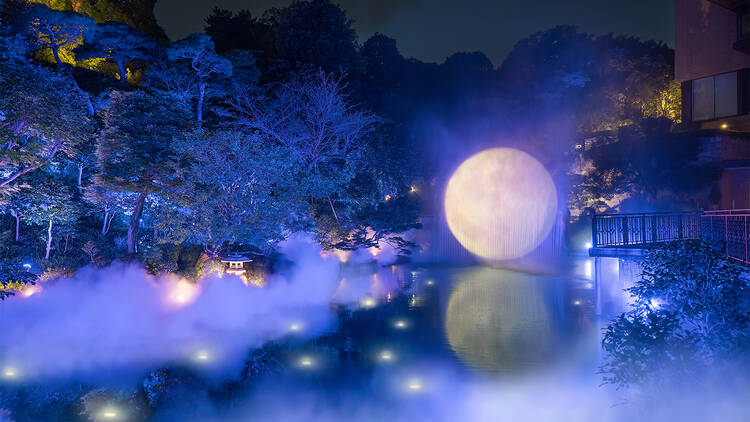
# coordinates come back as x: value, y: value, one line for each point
x: 594, y: 240
x: 679, y: 227
x: 625, y: 237
x: 643, y: 229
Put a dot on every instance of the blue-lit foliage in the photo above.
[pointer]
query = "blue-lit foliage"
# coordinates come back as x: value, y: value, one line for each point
x: 691, y: 312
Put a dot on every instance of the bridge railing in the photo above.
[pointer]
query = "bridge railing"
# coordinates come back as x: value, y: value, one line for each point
x: 730, y: 227
x: 634, y: 230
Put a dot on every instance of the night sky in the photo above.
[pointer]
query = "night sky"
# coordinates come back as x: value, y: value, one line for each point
x: 431, y: 30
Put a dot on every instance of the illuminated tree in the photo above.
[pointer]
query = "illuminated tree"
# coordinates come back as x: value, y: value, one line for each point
x: 110, y: 203
x: 41, y: 114
x: 50, y: 202
x: 239, y: 188
x: 119, y: 43
x: 58, y: 31
x: 135, y: 148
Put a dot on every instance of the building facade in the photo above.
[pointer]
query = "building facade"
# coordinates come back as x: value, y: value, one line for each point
x: 712, y: 63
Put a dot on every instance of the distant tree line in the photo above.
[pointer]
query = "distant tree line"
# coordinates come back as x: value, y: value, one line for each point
x: 266, y: 125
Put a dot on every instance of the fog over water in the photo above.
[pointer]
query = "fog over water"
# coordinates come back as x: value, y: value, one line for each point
x: 436, y: 343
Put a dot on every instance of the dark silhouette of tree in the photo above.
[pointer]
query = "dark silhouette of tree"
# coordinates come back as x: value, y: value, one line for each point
x: 315, y: 33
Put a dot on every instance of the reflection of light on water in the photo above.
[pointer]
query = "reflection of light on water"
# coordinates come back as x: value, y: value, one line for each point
x: 588, y: 271
x: 499, y: 320
x: 577, y: 302
x: 400, y: 324
x: 295, y: 326
x: 500, y: 203
x: 368, y: 302
x: 430, y: 282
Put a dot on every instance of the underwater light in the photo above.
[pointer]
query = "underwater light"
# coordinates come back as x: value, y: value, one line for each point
x: 306, y: 362
x: 202, y: 356
x: 386, y: 356
x: 414, y: 384
x: 400, y: 324
x: 577, y: 302
x: 108, y: 413
x: 368, y: 302
x: 295, y: 327
x: 9, y: 372
x: 430, y: 282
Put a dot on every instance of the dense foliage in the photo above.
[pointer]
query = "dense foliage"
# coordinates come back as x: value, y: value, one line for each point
x: 116, y: 139
x: 690, y: 312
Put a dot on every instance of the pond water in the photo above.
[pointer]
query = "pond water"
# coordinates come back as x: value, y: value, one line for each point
x: 406, y: 343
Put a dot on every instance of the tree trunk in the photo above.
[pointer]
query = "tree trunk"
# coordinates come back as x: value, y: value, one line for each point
x: 18, y: 223
x: 201, y: 94
x: 104, y: 224
x: 56, y: 55
x: 90, y: 105
x: 134, y: 222
x: 67, y: 237
x: 80, y: 176
x: 123, y: 72
x: 49, y: 240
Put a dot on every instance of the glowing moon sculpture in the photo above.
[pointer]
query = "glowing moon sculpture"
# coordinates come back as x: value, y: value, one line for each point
x: 500, y: 204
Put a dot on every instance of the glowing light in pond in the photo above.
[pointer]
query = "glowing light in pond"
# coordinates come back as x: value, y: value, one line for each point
x: 500, y: 203
x: 368, y: 302
x: 295, y: 327
x: 413, y: 189
x: 414, y: 384
x: 400, y: 324
x: 385, y: 356
x: 109, y: 413
x: 202, y: 356
x: 430, y: 282
x: 588, y: 270
x: 306, y: 362
x: 577, y: 302
x: 9, y: 372
x: 388, y: 197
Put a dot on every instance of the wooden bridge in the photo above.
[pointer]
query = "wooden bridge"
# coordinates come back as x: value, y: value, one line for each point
x: 618, y: 235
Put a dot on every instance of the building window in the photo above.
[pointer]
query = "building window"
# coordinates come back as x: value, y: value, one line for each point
x: 744, y: 25
x: 715, y: 97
